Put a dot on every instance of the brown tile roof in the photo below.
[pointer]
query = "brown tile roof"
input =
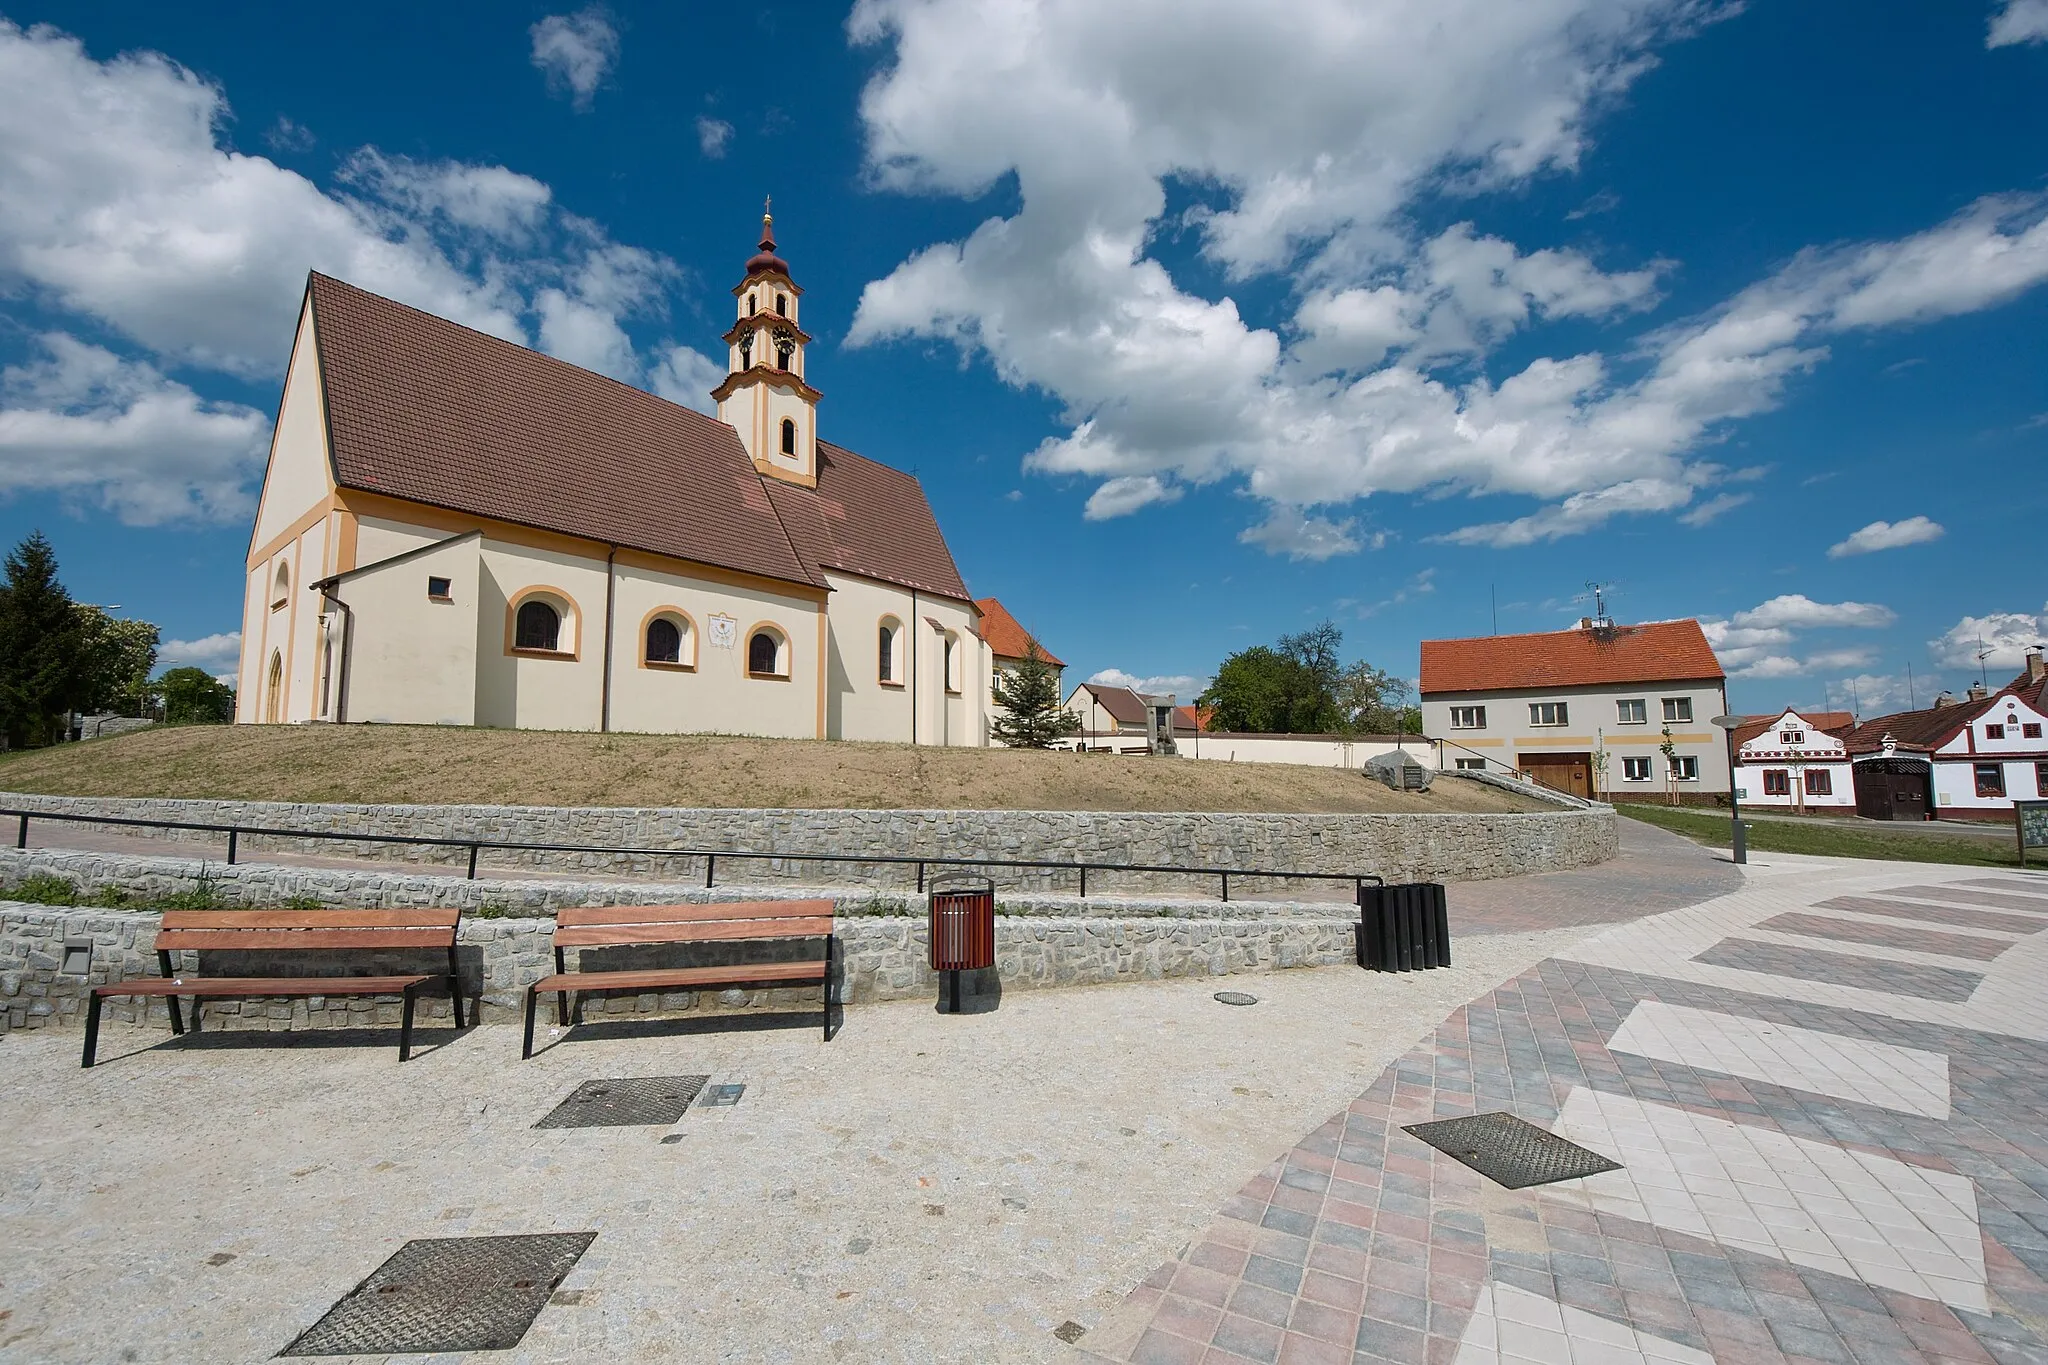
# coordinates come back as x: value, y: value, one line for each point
x: 1660, y: 651
x: 1121, y: 703
x: 1006, y: 638
x: 1836, y: 723
x: 1937, y: 725
x: 428, y: 410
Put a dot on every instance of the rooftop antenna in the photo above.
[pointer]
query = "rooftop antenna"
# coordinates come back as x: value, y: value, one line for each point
x: 1602, y: 622
x: 1912, y: 700
x: 1493, y: 604
x: 1982, y: 655
x: 1855, y: 705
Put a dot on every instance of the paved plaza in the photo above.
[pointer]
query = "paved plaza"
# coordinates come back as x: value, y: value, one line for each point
x: 1823, y: 1081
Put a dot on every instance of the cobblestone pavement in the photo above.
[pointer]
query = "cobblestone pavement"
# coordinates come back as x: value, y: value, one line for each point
x: 1828, y: 1093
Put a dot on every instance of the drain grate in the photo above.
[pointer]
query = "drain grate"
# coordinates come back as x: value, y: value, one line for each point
x: 447, y: 1294
x: 717, y: 1095
x: 1510, y: 1151
x: 625, y: 1102
x: 1236, y: 998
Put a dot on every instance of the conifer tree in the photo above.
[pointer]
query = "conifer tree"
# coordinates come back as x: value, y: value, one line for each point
x: 1030, y: 695
x: 39, y: 645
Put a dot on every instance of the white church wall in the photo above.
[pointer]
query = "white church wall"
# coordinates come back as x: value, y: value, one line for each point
x: 412, y: 660
x: 299, y: 477
x: 858, y: 705
x: 716, y: 695
x: 380, y: 538
x: 524, y: 691
x: 280, y: 623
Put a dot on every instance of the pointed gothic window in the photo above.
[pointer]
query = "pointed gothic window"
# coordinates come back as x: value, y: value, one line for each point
x: 788, y: 437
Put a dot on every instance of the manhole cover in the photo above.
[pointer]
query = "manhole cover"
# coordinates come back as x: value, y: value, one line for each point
x: 1236, y: 998
x: 625, y: 1102
x: 447, y: 1294
x: 1510, y: 1151
x: 717, y: 1095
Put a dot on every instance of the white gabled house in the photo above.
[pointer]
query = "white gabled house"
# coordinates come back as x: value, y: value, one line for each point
x: 1791, y: 761
x: 1957, y: 759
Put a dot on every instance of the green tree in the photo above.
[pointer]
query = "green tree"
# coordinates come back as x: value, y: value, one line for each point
x: 39, y: 646
x: 1372, y: 701
x: 1250, y: 691
x: 1030, y: 697
x: 1301, y: 686
x: 116, y: 657
x: 192, y: 696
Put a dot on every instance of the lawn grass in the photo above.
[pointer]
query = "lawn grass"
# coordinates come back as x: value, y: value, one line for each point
x: 1830, y: 841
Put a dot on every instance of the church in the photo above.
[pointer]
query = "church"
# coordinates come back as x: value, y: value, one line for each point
x: 456, y: 530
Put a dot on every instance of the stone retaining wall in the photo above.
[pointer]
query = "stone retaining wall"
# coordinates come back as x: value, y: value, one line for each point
x: 883, y: 958
x: 1419, y: 847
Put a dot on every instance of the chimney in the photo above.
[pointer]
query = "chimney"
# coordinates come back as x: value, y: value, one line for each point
x: 1585, y: 623
x: 1946, y: 698
x: 2035, y: 668
x: 1976, y: 692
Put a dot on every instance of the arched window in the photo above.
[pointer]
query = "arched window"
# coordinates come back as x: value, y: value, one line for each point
x: 747, y: 351
x: 664, y: 642
x: 890, y: 630
x: 788, y: 437
x: 767, y: 654
x: 952, y: 663
x: 750, y: 305
x: 539, y: 627
x: 782, y: 305
x: 281, y: 587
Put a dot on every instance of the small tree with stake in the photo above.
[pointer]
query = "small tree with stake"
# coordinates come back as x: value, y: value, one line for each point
x: 1030, y: 695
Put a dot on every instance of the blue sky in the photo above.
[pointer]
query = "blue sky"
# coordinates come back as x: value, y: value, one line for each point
x: 1411, y: 314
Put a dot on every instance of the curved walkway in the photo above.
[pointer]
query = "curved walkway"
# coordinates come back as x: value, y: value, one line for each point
x: 1825, y: 1092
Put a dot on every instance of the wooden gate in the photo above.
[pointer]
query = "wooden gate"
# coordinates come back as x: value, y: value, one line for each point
x: 1894, y: 789
x: 1568, y: 773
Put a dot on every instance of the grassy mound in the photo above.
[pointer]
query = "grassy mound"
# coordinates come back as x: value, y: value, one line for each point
x: 432, y: 765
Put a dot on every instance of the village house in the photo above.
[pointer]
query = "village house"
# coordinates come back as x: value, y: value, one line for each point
x: 1795, y: 761
x: 1966, y: 759
x: 456, y: 530
x: 1119, y: 720
x: 1589, y: 711
x: 1008, y: 645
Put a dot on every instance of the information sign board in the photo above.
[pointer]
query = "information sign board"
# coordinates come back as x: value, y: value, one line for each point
x: 2031, y: 819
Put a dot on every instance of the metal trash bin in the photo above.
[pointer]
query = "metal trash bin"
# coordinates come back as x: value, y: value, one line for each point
x: 962, y: 932
x: 1403, y: 928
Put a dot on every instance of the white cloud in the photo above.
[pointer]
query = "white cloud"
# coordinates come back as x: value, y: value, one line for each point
x: 119, y: 204
x: 1887, y: 535
x: 2005, y: 635
x: 1307, y: 160
x: 1754, y: 643
x: 211, y: 652
x: 684, y: 376
x: 1288, y: 530
x: 575, y: 52
x: 1798, y: 611
x: 713, y: 135
x: 2020, y: 21
x: 1714, y: 507
x: 1123, y: 496
x: 117, y: 435
x: 1184, y: 686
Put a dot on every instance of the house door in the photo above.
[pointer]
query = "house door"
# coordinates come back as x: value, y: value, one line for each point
x: 1568, y: 773
x: 1891, y: 789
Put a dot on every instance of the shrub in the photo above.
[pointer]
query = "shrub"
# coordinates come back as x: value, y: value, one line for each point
x: 203, y: 894
x: 44, y: 888
x: 301, y: 903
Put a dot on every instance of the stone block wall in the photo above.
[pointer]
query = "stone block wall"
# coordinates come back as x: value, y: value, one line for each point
x: 1418, y: 847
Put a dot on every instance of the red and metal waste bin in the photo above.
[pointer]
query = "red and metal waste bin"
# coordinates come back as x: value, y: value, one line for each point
x: 962, y: 933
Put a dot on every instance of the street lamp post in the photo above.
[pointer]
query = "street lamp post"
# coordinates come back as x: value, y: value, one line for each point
x: 1738, y: 845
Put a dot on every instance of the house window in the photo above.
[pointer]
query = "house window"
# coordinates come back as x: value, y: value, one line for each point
x: 788, y: 437
x: 664, y: 641
x: 2030, y: 730
x: 767, y: 654
x: 1635, y: 711
x: 1635, y: 770
x: 1685, y: 768
x: 1678, y: 708
x: 1791, y: 736
x: 1994, y: 732
x: 1990, y: 779
x: 1471, y: 765
x: 1468, y: 718
x: 1820, y: 782
x: 2041, y: 779
x: 887, y: 635
x: 1777, y: 782
x: 1547, y: 713
x: 440, y: 590
x: 539, y: 627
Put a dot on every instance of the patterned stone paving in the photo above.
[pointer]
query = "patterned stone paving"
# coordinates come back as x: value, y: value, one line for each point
x: 1929, y: 914
x: 1803, y: 1180
x: 1912, y: 938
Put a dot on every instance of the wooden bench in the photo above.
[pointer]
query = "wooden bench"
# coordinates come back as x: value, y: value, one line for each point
x: 623, y: 926
x: 289, y: 931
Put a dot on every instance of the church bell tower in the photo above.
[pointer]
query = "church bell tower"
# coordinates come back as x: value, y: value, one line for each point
x: 764, y: 397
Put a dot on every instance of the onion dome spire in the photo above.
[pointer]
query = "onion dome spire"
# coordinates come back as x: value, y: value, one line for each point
x: 766, y: 259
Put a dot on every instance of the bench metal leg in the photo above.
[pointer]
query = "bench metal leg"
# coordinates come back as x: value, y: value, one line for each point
x: 198, y: 1005
x: 532, y: 1003
x: 92, y: 1028
x: 405, y: 1027
x: 165, y: 967
x: 561, y: 997
x: 455, y: 979
x: 177, y: 1015
x: 827, y: 1007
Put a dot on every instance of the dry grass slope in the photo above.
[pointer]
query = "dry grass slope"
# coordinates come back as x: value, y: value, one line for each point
x: 427, y: 765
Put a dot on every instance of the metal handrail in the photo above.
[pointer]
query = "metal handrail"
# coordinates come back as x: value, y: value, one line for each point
x: 709, y: 855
